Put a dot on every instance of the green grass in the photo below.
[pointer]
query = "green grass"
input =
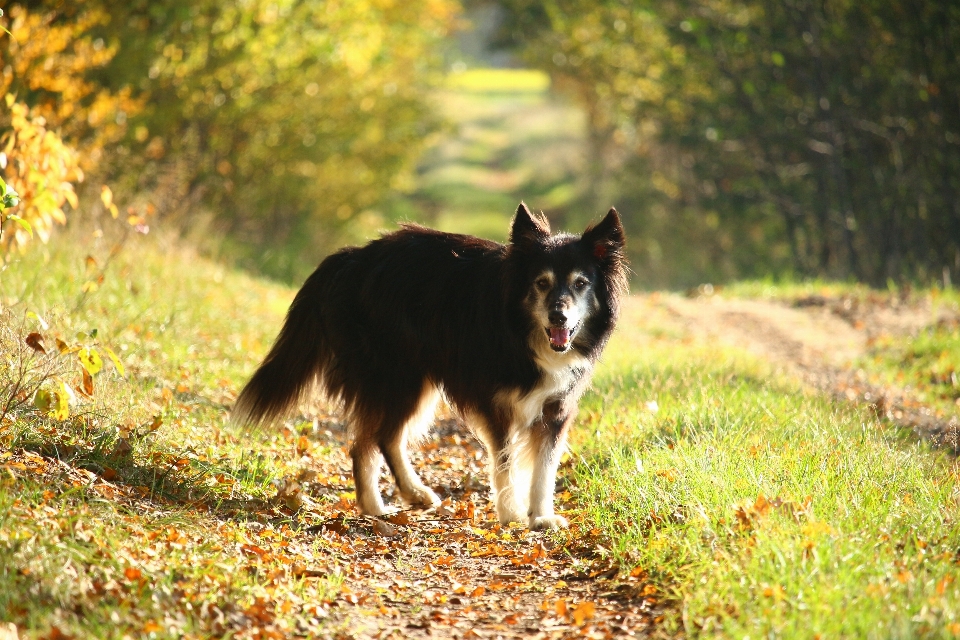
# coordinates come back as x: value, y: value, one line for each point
x: 862, y: 544
x: 928, y: 364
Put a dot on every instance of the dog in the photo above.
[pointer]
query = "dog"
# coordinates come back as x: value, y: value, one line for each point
x: 508, y: 334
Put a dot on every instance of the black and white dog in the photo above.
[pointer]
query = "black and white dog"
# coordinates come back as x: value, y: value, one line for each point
x: 509, y: 334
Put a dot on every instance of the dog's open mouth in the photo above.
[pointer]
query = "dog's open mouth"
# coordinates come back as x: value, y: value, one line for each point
x: 560, y: 337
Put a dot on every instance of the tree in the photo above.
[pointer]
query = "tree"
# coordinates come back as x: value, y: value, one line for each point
x: 813, y: 137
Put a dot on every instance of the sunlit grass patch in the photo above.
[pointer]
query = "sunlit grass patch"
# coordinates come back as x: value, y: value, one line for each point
x: 766, y: 509
x: 927, y: 363
x: 487, y: 80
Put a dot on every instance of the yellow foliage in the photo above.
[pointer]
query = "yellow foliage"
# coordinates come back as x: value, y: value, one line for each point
x: 46, y: 62
x: 41, y: 168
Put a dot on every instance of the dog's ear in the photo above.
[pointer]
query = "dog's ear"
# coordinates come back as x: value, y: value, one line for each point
x: 528, y: 227
x: 606, y: 238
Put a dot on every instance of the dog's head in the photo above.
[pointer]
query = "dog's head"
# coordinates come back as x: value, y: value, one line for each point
x: 570, y: 285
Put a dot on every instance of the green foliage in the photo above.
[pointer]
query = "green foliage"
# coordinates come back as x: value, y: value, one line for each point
x: 748, y: 137
x: 282, y: 120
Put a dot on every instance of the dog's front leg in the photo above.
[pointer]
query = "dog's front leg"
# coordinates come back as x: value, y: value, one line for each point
x: 550, y: 441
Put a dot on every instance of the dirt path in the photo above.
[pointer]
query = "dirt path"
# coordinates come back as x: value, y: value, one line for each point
x: 820, y: 340
x: 455, y: 572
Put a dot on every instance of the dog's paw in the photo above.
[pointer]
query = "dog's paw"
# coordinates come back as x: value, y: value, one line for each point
x: 548, y: 522
x: 507, y: 514
x: 421, y: 497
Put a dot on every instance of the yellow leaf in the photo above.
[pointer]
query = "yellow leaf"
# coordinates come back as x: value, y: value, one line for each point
x: 116, y: 361
x: 90, y: 360
x: 70, y: 195
x: 60, y: 410
x: 43, y: 400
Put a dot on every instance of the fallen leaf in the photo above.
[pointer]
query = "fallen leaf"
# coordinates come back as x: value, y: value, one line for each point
x: 87, y: 383
x: 385, y: 529
x: 35, y: 342
x: 400, y: 517
x: 583, y: 612
x: 560, y: 607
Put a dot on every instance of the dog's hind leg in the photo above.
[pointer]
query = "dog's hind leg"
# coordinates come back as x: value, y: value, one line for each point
x: 394, y: 443
x: 500, y: 465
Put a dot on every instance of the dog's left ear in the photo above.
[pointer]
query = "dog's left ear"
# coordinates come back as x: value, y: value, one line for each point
x: 606, y: 237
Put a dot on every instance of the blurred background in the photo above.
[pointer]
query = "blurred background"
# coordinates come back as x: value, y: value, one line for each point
x: 739, y: 139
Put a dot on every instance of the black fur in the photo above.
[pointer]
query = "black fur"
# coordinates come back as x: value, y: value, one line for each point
x: 377, y: 325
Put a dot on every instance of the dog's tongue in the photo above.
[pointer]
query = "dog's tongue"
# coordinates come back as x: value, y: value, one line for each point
x: 559, y: 337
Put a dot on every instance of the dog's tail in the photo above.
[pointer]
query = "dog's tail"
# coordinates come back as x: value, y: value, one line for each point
x: 295, y: 362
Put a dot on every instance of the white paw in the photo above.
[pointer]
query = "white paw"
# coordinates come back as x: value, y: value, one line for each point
x: 507, y: 513
x: 421, y: 497
x: 541, y: 523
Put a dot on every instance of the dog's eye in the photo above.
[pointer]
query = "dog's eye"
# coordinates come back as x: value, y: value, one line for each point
x: 580, y: 283
x: 543, y: 284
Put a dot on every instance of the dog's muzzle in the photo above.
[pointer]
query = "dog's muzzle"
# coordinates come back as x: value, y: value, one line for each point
x: 561, y: 337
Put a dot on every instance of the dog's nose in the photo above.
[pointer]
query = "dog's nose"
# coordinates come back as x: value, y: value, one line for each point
x: 557, y: 318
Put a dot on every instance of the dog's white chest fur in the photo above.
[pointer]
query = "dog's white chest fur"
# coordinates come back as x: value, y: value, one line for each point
x: 561, y: 372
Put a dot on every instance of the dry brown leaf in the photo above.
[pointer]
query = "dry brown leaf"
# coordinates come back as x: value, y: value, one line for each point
x: 87, y: 383
x: 400, y: 517
x: 384, y: 529
x: 35, y: 342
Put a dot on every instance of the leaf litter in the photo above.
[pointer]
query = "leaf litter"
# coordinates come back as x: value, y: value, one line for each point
x: 304, y: 564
